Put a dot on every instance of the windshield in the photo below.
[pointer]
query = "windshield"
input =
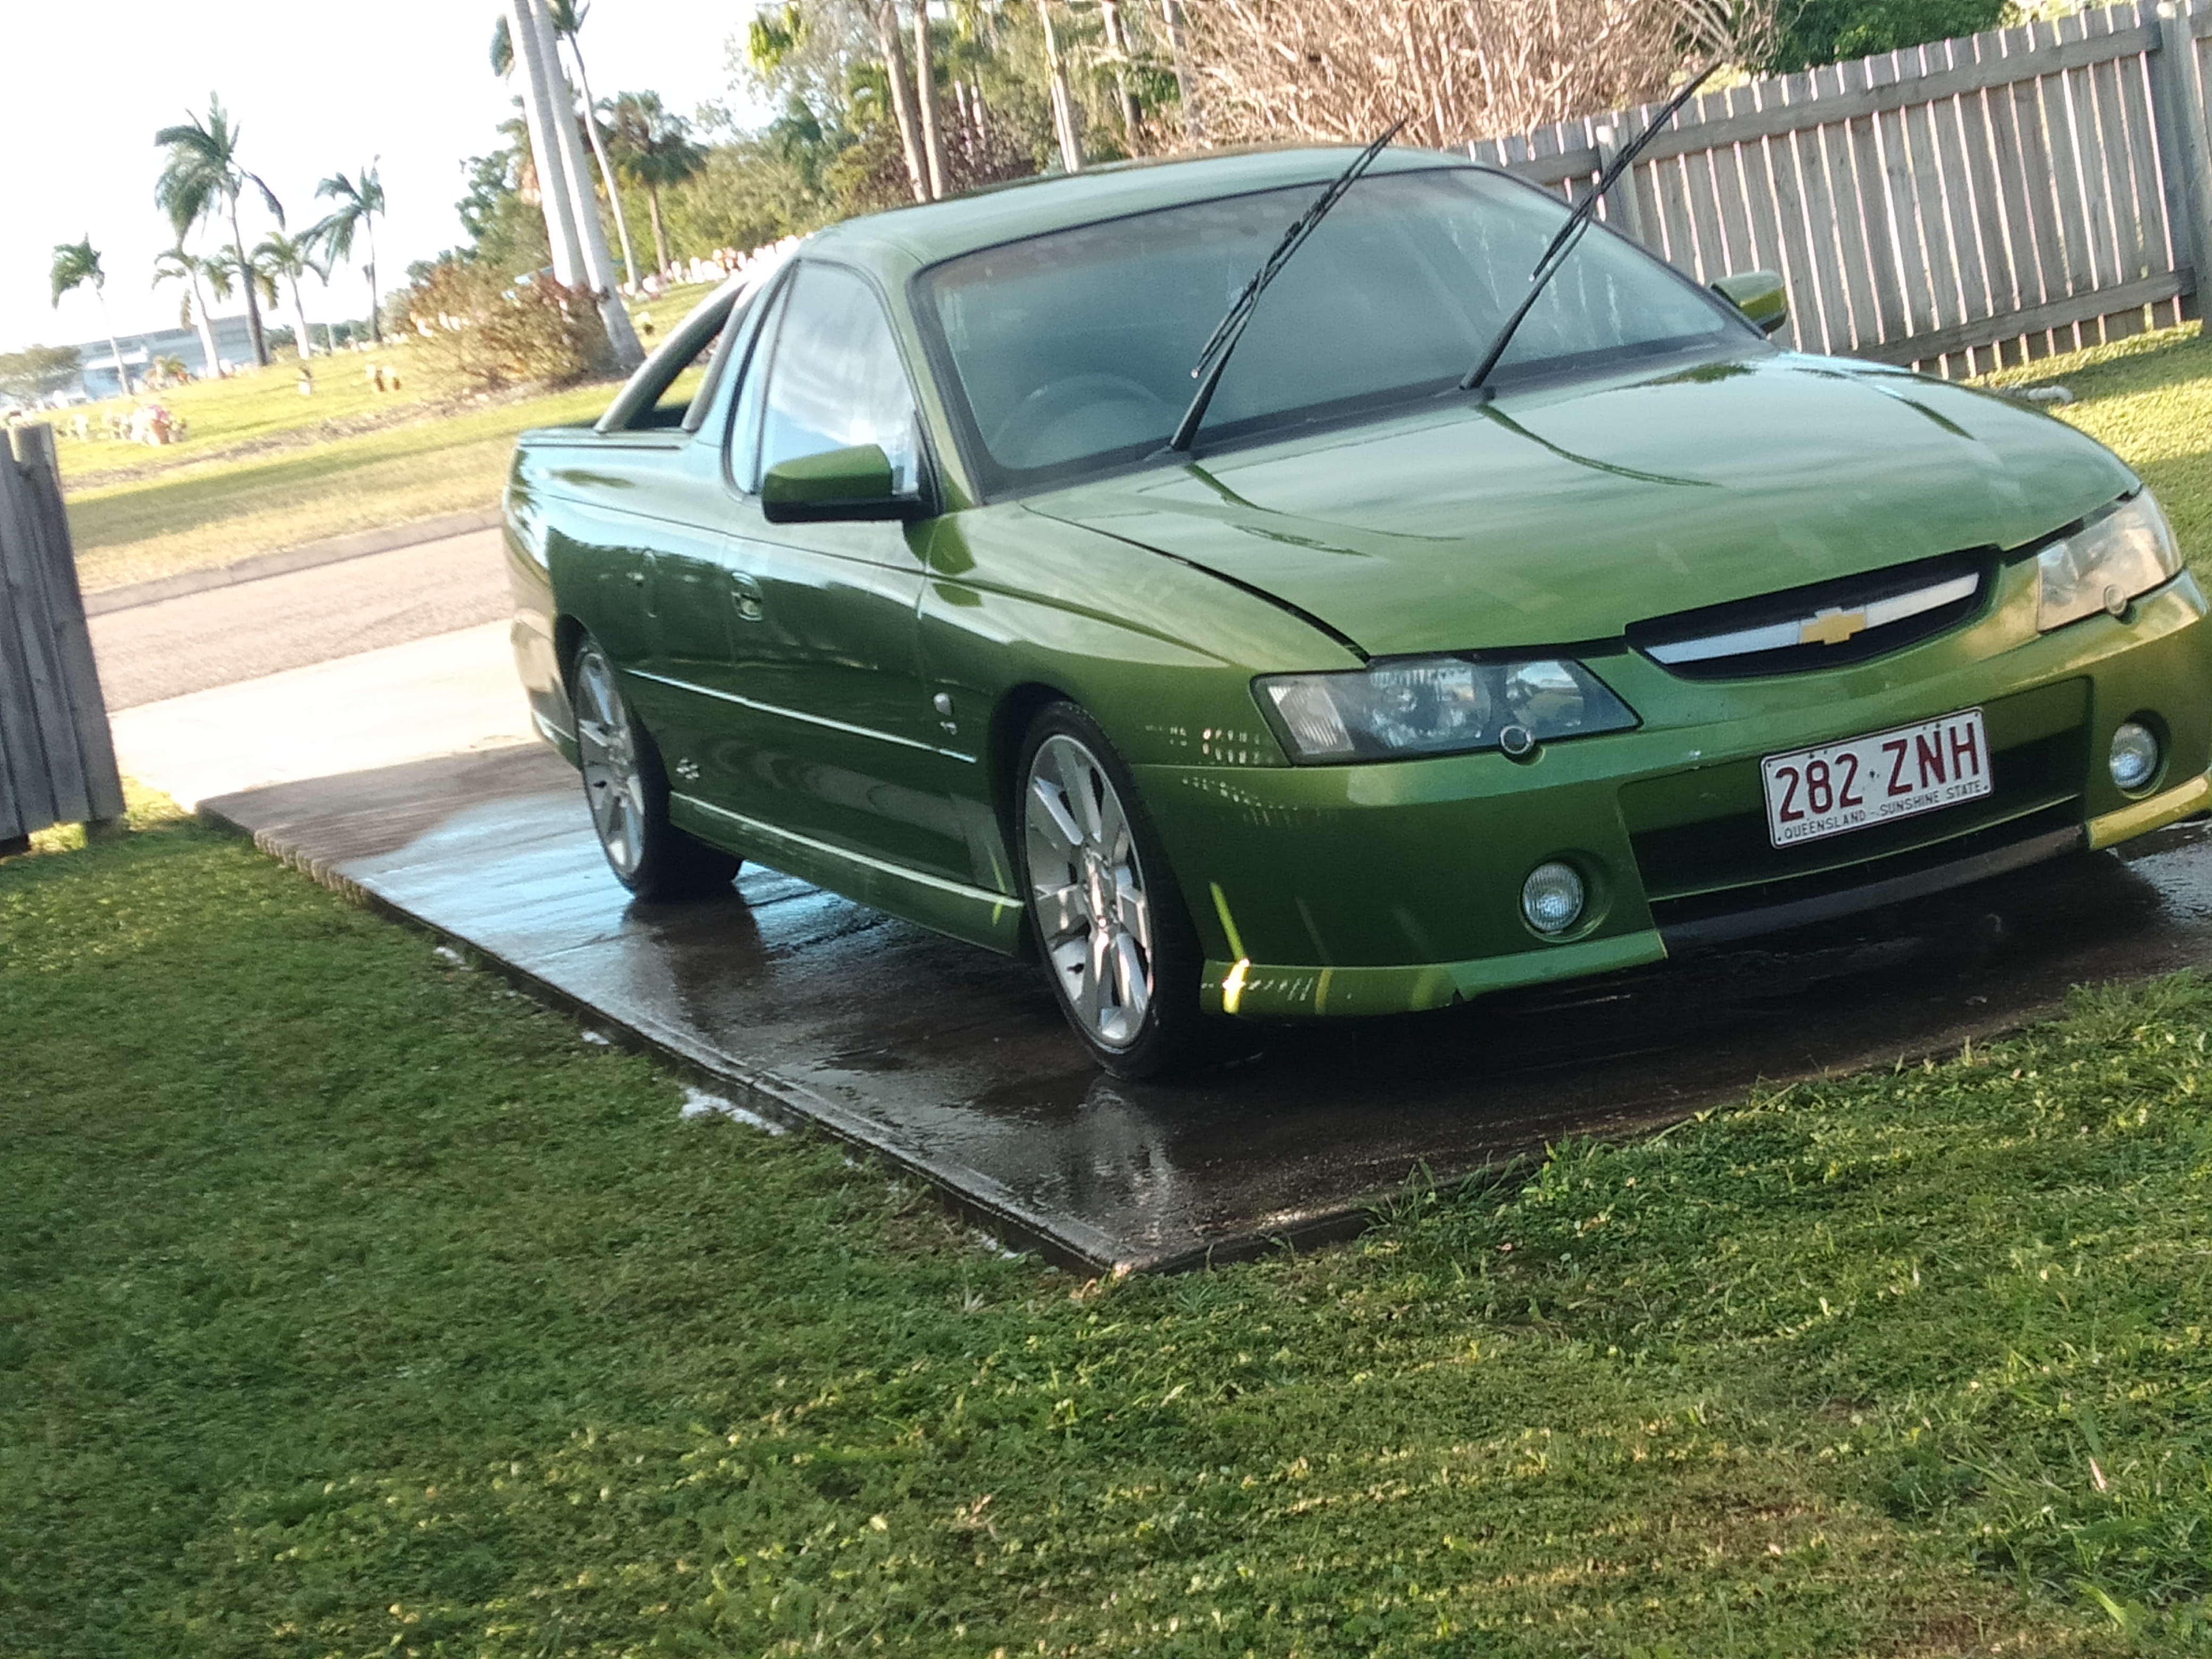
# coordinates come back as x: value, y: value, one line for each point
x: 1072, y: 351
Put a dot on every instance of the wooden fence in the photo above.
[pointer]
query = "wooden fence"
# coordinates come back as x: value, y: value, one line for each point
x: 56, y: 755
x: 1956, y: 205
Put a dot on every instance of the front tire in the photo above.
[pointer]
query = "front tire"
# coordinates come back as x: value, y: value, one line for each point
x: 1108, y: 920
x: 626, y: 786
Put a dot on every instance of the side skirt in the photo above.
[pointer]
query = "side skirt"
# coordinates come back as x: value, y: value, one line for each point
x: 993, y: 921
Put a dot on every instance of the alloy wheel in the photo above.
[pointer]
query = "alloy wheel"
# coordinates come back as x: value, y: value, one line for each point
x: 1087, y: 887
x: 613, y: 782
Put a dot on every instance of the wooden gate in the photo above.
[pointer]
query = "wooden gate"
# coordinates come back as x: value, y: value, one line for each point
x: 56, y: 755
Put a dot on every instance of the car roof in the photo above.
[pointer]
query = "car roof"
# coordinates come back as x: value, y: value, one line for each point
x: 901, y: 241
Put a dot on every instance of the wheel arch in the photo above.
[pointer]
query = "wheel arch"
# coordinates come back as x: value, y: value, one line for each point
x: 569, y: 635
x: 1002, y: 746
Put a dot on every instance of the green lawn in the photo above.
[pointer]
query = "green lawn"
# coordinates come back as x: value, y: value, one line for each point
x: 220, y: 511
x: 351, y: 1304
x: 262, y: 468
x: 2150, y: 398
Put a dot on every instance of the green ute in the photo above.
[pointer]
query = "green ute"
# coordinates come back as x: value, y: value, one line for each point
x: 1383, y: 694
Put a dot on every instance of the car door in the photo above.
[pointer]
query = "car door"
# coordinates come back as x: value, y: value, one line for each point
x: 709, y: 729
x: 842, y: 742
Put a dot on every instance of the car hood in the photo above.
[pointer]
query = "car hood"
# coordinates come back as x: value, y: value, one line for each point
x: 1550, y: 518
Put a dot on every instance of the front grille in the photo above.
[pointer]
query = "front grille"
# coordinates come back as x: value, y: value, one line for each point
x: 1704, y: 855
x: 1723, y: 856
x: 1827, y: 624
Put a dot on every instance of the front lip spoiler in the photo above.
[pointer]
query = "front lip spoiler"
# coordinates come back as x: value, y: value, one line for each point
x: 1872, y: 896
x: 2106, y: 829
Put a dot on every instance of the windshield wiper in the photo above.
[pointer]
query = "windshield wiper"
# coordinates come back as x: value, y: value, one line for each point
x: 1214, y: 359
x: 1569, y: 234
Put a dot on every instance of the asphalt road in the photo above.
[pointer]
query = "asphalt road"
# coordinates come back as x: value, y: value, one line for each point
x: 227, y: 635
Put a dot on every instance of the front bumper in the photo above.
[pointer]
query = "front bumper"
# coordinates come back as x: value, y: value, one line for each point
x: 1395, y: 887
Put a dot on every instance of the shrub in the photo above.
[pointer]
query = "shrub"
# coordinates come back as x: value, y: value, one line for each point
x: 491, y: 331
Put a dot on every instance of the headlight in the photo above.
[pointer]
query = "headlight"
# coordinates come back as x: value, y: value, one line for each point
x: 1438, y: 706
x: 2106, y: 563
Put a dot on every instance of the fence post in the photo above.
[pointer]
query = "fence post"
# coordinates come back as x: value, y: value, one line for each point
x: 1624, y: 211
x: 2181, y: 97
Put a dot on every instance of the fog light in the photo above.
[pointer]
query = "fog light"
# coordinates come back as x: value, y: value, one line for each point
x: 2135, y: 756
x: 1552, y: 897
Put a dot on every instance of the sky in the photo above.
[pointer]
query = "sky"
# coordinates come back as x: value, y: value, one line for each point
x: 316, y: 89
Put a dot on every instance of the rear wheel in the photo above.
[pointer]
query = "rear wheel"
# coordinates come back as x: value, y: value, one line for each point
x: 627, y: 788
x: 1109, y: 923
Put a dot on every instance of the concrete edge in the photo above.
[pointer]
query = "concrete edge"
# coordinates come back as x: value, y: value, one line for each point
x: 336, y: 550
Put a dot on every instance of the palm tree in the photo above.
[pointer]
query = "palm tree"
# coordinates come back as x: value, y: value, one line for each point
x: 74, y: 264
x: 203, y: 175
x: 360, y: 206
x: 654, y: 150
x: 292, y: 257
x: 178, y: 266
x: 226, y: 271
x: 568, y: 21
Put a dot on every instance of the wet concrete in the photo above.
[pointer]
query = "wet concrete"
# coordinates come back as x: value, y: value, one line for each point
x: 954, y: 1063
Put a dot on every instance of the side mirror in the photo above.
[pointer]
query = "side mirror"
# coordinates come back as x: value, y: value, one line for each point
x: 851, y: 483
x: 1761, y: 295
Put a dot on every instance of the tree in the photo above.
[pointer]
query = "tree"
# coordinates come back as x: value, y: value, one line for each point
x: 1829, y: 31
x: 654, y: 150
x: 580, y: 246
x: 291, y: 258
x: 1063, y: 101
x: 567, y: 20
x: 503, y: 229
x: 1342, y: 69
x: 885, y: 15
x: 203, y: 175
x: 837, y: 71
x: 36, y: 373
x: 360, y: 206
x: 226, y: 271
x: 74, y: 264
x: 924, y: 97
x: 178, y: 266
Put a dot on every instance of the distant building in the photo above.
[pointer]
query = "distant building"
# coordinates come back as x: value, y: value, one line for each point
x: 233, y: 344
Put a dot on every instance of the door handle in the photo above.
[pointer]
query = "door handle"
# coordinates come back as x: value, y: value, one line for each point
x: 745, y: 599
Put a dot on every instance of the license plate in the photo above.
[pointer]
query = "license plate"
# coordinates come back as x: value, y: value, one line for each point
x: 1812, y: 792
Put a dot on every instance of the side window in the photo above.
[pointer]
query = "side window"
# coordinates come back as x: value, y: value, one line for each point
x: 835, y: 379
x: 729, y: 343
x: 745, y: 417
x: 661, y: 394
